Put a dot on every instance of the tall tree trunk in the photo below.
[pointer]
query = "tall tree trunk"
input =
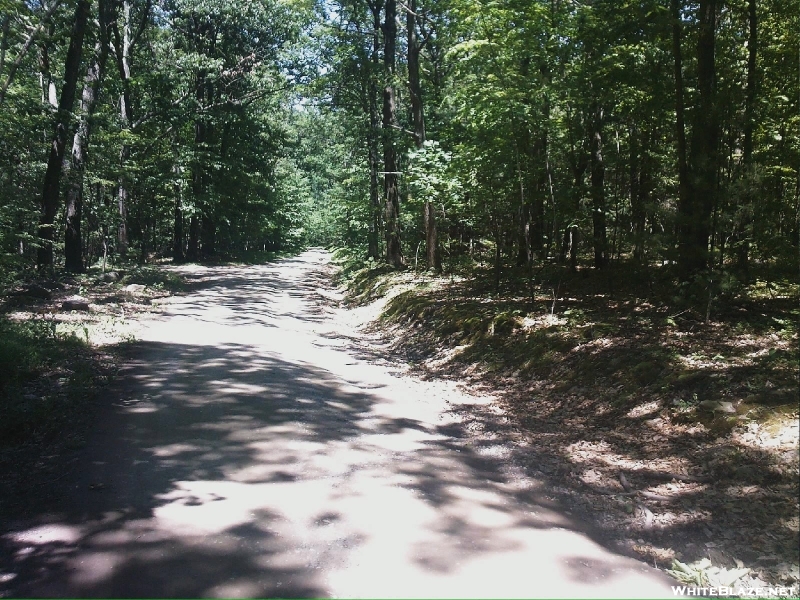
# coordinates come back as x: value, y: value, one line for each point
x: 598, y: 190
x: 752, y: 82
x: 696, y: 217
x: 523, y: 227
x: 374, y: 136
x: 526, y: 158
x: 434, y: 261
x: 537, y: 203
x: 414, y: 85
x: 193, y: 249
x: 684, y: 199
x: 198, y: 171
x: 639, y: 189
x: 431, y: 237
x: 73, y: 252
x: 394, y: 251
x: 52, y: 177
x: 208, y: 236
x: 122, y: 46
x: 744, y: 230
x: 178, y: 255
x: 80, y: 145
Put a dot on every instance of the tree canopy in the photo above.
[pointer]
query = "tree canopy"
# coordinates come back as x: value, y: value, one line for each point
x: 659, y: 132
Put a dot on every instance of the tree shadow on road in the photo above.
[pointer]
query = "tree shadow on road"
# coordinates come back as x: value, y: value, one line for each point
x: 229, y: 471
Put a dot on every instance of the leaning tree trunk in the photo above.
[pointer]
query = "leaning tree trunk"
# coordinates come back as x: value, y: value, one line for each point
x: 394, y: 251
x: 52, y: 177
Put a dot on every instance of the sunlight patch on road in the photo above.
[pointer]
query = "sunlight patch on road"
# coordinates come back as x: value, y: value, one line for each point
x: 48, y: 534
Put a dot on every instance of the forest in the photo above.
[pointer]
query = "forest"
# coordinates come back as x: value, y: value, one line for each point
x: 585, y: 210
x: 435, y: 133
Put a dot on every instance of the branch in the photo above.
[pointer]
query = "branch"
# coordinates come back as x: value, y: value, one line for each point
x: 143, y: 23
x: 403, y: 130
x: 409, y: 11
x: 154, y: 113
x: 245, y: 100
x: 12, y: 69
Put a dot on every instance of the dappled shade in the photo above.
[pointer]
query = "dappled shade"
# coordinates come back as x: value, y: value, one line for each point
x: 253, y: 455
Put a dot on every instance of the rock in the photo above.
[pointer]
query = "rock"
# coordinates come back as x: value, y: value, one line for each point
x: 109, y: 277
x: 35, y: 291
x: 134, y: 288
x: 75, y: 303
x: 716, y: 406
x: 53, y: 285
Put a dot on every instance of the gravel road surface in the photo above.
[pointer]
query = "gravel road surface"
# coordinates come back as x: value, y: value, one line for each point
x: 255, y: 445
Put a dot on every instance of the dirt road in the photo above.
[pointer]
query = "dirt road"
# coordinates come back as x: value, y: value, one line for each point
x: 253, y: 447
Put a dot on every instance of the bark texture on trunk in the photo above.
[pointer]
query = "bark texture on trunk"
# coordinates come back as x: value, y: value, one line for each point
x: 432, y: 237
x: 55, y: 161
x: 73, y: 250
x: 74, y: 205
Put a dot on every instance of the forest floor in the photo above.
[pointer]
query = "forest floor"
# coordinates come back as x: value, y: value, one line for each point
x: 678, y: 436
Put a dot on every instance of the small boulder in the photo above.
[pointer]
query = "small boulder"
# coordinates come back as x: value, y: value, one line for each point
x: 716, y: 406
x: 134, y: 288
x: 53, y: 285
x: 110, y: 277
x: 33, y: 290
x: 75, y: 303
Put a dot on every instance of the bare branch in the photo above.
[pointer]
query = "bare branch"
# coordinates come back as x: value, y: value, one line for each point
x: 12, y: 69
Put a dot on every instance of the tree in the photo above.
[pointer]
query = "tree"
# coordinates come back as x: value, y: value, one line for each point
x: 394, y: 251
x: 91, y: 91
x: 696, y: 207
x: 52, y: 177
